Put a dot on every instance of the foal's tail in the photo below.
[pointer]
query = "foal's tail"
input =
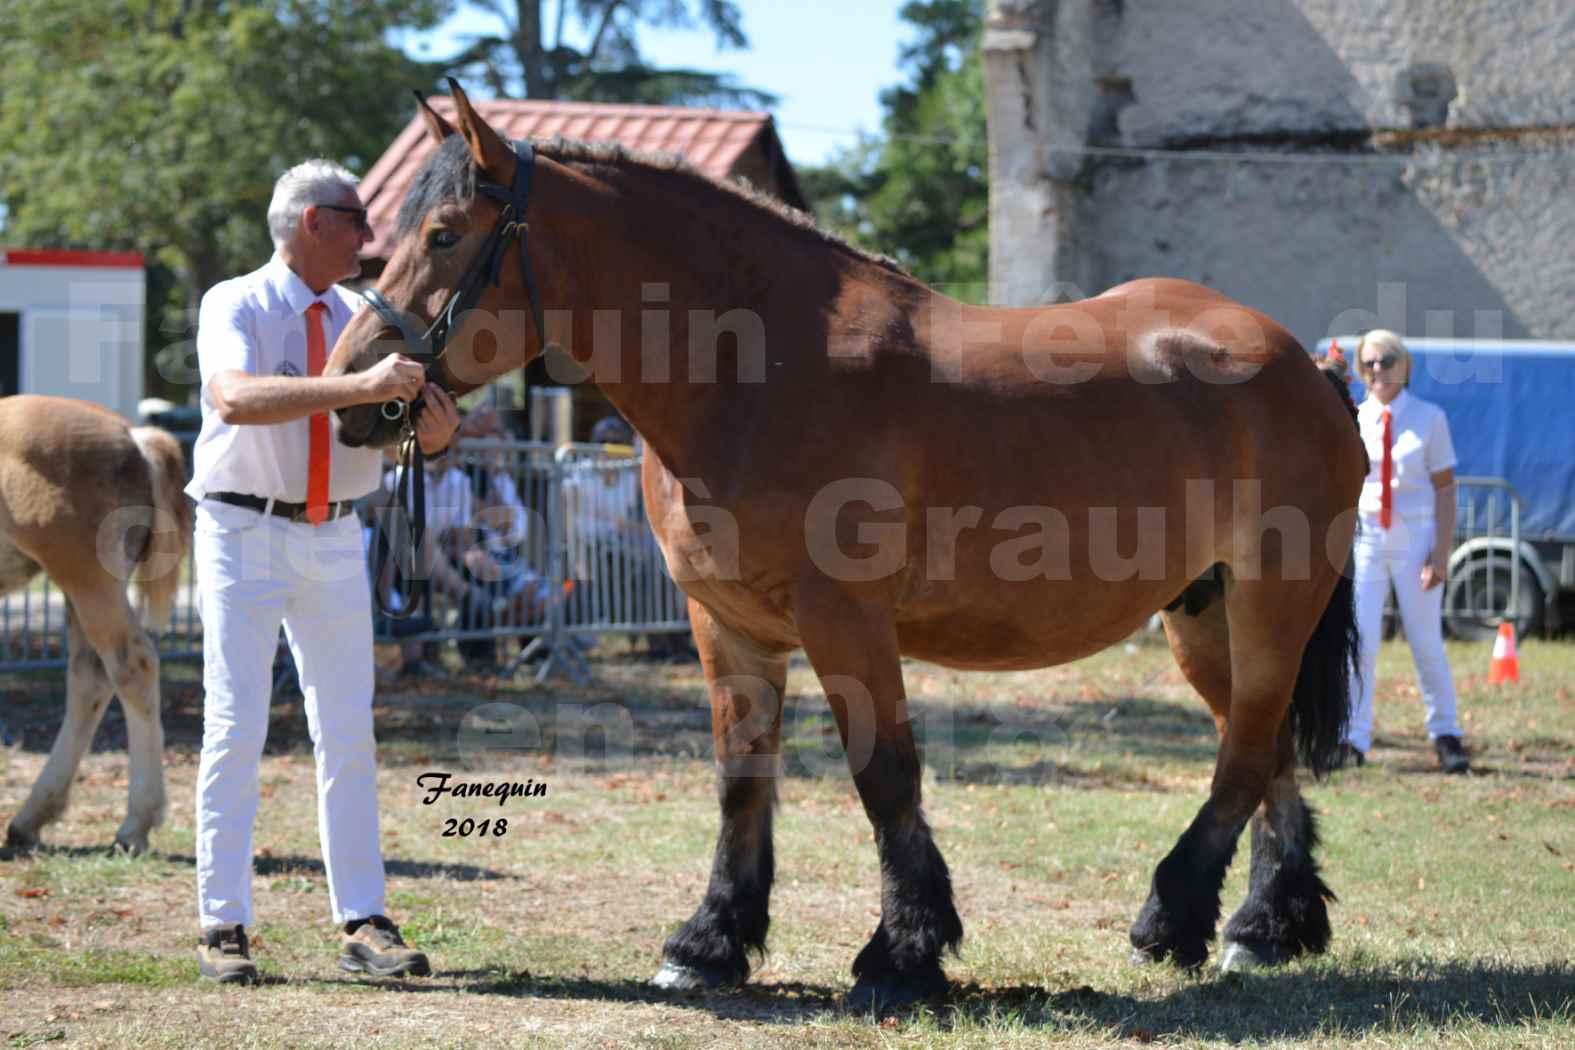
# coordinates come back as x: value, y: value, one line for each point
x: 157, y: 576
x: 1321, y: 701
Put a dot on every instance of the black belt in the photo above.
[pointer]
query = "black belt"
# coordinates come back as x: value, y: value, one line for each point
x: 293, y: 511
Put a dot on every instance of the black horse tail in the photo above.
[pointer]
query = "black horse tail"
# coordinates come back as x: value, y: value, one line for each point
x: 1321, y: 701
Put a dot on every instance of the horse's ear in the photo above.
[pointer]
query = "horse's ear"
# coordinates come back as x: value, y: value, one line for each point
x: 439, y: 128
x: 491, y: 154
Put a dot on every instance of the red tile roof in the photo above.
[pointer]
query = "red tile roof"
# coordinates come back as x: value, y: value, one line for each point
x: 713, y: 141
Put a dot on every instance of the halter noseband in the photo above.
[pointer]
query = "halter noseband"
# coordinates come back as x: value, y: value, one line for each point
x: 485, y: 269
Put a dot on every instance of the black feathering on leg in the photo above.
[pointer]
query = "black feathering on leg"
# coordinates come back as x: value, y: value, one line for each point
x: 1286, y: 912
x: 901, y: 964
x: 731, y: 923
x: 919, y: 921
x: 1178, y: 919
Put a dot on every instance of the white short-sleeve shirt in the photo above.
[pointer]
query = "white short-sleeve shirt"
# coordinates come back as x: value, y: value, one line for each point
x: 1422, y: 447
x: 257, y: 324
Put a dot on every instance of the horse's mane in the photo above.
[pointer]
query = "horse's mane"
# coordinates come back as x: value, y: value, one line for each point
x: 449, y: 176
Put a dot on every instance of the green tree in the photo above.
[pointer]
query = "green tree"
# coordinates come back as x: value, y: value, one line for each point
x: 919, y: 190
x: 161, y: 125
x: 528, y: 57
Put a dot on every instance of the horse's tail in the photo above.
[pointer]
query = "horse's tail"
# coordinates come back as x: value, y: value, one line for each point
x: 1321, y: 701
x: 157, y: 575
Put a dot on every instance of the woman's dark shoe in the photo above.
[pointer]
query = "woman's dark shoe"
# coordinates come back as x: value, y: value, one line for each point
x: 1452, y: 755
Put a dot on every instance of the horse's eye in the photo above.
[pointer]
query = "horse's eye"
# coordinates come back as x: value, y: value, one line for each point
x: 442, y: 239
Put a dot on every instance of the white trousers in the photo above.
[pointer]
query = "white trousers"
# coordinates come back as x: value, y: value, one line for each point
x: 255, y: 572
x: 1395, y: 557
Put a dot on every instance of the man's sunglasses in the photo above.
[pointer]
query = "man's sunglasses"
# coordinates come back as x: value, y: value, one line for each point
x: 359, y: 213
x: 1384, y: 363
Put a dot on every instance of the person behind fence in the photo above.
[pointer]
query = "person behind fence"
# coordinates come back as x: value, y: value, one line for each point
x: 1403, y: 539
x: 450, y: 510
x: 275, y: 544
x: 612, y: 556
x: 506, y: 590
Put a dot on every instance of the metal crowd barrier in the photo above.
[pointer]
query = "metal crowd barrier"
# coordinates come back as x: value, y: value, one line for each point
x: 569, y: 557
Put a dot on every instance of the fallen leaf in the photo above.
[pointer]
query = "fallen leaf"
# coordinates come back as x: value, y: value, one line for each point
x: 34, y: 892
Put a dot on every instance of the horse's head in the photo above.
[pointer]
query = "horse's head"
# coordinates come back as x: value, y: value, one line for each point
x: 457, y: 293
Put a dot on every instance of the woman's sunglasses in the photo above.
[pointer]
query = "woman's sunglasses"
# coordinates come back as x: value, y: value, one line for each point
x: 1384, y: 363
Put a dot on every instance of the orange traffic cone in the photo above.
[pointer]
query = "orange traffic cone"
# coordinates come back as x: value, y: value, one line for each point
x: 1506, y: 662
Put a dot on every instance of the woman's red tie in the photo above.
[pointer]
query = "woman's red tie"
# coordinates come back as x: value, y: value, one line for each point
x: 1387, y: 471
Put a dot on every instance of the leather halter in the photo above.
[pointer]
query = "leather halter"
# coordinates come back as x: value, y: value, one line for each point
x: 485, y: 269
x: 410, y: 583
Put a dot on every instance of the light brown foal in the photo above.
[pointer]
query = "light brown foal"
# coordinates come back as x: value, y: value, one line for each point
x: 95, y: 504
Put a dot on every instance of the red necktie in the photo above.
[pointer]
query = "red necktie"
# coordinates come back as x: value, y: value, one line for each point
x: 319, y: 451
x: 1386, y: 499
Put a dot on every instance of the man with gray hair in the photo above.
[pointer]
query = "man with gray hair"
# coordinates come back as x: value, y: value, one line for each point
x: 276, y: 544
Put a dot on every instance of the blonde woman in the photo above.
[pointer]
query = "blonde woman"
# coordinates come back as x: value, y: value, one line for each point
x: 1407, y: 512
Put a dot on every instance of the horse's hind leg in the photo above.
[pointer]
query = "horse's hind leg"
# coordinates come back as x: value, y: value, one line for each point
x: 1269, y: 624
x: 88, y: 690
x: 853, y: 646
x: 132, y: 661
x: 746, y: 684
x: 1286, y: 911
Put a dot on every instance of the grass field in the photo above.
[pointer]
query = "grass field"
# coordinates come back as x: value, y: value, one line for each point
x: 1052, y: 795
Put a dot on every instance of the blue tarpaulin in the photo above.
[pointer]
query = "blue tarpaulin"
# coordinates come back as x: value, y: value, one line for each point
x: 1511, y: 410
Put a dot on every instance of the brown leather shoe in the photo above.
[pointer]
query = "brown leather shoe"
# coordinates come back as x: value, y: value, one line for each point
x: 374, y: 946
x: 225, y: 956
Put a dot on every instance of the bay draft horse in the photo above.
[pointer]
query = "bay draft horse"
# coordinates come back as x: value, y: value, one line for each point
x: 94, y: 503
x: 859, y: 402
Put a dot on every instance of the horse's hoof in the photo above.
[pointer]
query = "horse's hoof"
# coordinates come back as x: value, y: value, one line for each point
x: 677, y: 977
x: 892, y: 992
x: 131, y: 847
x: 19, y: 841
x: 1238, y: 958
x: 1181, y: 958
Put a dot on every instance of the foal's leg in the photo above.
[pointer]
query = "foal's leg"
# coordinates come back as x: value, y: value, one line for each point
x: 1269, y: 624
x: 746, y: 683
x: 88, y: 690
x: 853, y: 645
x: 132, y: 661
x: 1286, y: 912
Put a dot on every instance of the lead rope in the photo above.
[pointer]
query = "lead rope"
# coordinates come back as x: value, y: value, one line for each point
x: 411, y: 588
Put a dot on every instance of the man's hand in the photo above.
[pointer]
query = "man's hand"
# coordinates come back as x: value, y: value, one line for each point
x: 394, y: 378
x: 436, y: 423
x: 1435, y: 571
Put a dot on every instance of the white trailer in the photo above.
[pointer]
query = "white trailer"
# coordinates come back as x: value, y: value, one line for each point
x: 71, y: 325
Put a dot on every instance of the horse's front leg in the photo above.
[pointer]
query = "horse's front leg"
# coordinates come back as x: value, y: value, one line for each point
x: 852, y: 642
x: 88, y: 692
x: 746, y: 682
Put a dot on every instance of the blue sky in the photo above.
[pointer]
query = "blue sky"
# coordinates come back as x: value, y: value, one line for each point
x: 826, y: 60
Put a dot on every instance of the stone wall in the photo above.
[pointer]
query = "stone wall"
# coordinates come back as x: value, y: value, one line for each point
x: 1335, y: 163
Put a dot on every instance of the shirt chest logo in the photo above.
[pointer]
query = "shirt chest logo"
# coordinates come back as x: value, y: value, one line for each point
x: 287, y: 368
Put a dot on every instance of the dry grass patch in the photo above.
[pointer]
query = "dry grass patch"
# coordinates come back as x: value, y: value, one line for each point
x: 1053, y: 794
